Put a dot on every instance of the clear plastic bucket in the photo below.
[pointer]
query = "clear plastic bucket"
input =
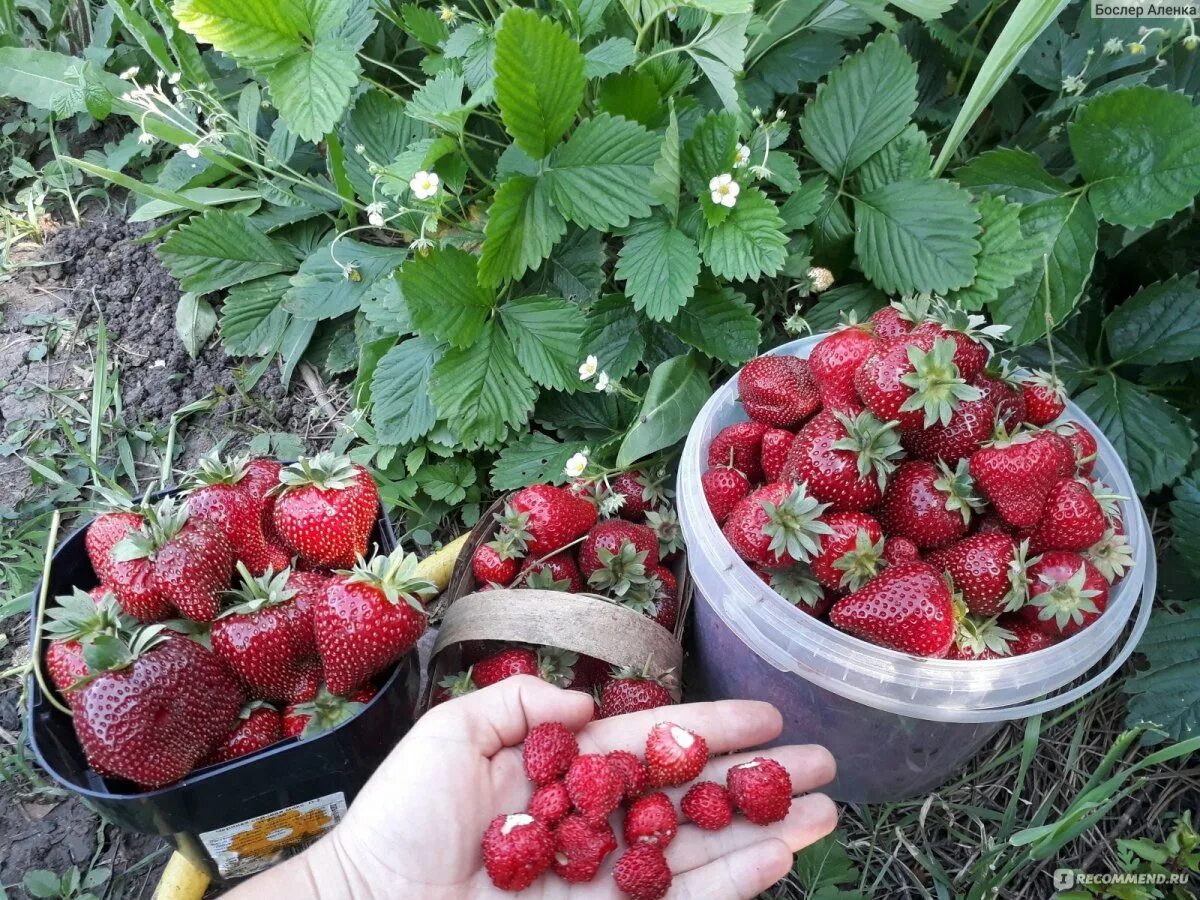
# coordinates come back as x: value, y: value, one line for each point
x: 898, y: 724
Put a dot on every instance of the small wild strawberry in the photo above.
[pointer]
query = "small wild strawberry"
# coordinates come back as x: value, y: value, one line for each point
x: 517, y: 849
x: 761, y: 790
x: 708, y: 805
x: 550, y: 803
x: 778, y: 390
x: 548, y: 752
x: 674, y: 755
x: 651, y: 820
x: 633, y: 772
x: 642, y: 873
x: 596, y: 788
x: 580, y: 848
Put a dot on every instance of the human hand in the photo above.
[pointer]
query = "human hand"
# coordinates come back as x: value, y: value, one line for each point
x: 415, y: 829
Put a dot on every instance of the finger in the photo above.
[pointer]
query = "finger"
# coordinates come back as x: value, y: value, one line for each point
x: 810, y: 819
x: 743, y: 874
x: 809, y: 765
x: 726, y: 725
x: 501, y: 715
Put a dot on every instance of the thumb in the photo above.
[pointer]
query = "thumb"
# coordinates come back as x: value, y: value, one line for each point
x: 501, y: 715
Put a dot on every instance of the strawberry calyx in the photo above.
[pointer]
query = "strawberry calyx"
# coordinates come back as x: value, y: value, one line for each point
x: 875, y: 444
x: 160, y: 523
x: 976, y: 636
x: 936, y: 383
x: 1018, y: 579
x: 914, y: 308
x: 542, y: 578
x: 200, y: 632
x: 952, y: 317
x: 959, y: 488
x: 1066, y: 601
x: 107, y: 652
x: 1104, y: 497
x: 861, y: 563
x: 794, y: 525
x: 259, y: 593
x: 514, y: 529
x: 1040, y: 378
x: 76, y: 616
x: 1000, y: 369
x: 1111, y: 555
x: 796, y: 585
x: 665, y: 677
x: 252, y: 706
x: 325, y: 712
x: 212, y: 469
x: 395, y: 576
x: 458, y: 684
x: 621, y: 571
x: 557, y: 666
x: 325, y: 471
x: 665, y: 523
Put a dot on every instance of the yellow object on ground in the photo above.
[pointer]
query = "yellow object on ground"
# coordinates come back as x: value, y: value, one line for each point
x: 439, y: 564
x: 181, y: 880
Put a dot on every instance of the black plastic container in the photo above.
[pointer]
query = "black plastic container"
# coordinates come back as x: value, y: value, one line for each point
x: 239, y: 817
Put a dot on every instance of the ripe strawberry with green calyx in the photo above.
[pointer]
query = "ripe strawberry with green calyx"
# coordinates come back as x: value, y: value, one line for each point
x: 369, y: 617
x: 1045, y: 397
x: 665, y: 525
x: 850, y: 554
x: 261, y: 726
x: 220, y: 495
x: 777, y: 525
x: 552, y: 517
x: 971, y: 424
x: 978, y: 639
x: 970, y: 332
x: 929, y: 504
x: 1066, y: 594
x: 999, y: 384
x: 664, y: 597
x: 989, y: 570
x: 907, y: 607
x: 172, y: 562
x: 156, y: 705
x: 632, y: 690
x: 1074, y: 517
x: 776, y: 443
x: 267, y: 636
x: 73, y: 620
x: 739, y: 446
x: 901, y: 316
x: 615, y: 554
x: 558, y: 572
x: 122, y: 518
x: 1111, y: 555
x: 451, y: 686
x: 325, y: 509
x: 845, y: 461
x: 836, y: 358
x: 1083, y: 444
x: 325, y: 712
x: 640, y: 492
x: 778, y: 390
x: 916, y: 384
x: 723, y: 488
x: 798, y: 586
x: 1016, y: 473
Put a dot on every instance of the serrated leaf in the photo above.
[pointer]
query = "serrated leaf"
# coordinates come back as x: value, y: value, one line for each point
x: 575, y: 267
x: 1017, y: 175
x: 37, y: 77
x: 311, y: 89
x: 1139, y: 150
x: 1005, y: 253
x: 539, y: 79
x: 447, y: 480
x: 335, y: 278
x: 750, y: 241
x: 546, y: 334
x: 424, y: 24
x: 1155, y: 439
x: 253, y: 317
x: 915, y: 236
x: 665, y: 185
x: 609, y: 57
x: 402, y: 410
x: 905, y: 157
x: 720, y: 322
x: 709, y: 151
x: 660, y: 266
x: 678, y: 389
x: 865, y: 102
x: 1158, y: 324
x: 522, y: 227
x: 195, y: 321
x: 804, y: 59
x: 220, y: 249
x: 1067, y: 229
x: 384, y: 308
x: 379, y: 125
x: 481, y: 390
x: 719, y: 50
x: 535, y: 458
x: 444, y: 296
x: 244, y: 28
x: 601, y: 177
x: 613, y: 335
x: 439, y: 102
x: 1185, y: 521
x: 1163, y: 694
x: 801, y: 208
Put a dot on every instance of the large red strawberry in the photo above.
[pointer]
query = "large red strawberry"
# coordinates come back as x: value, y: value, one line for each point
x: 156, y: 707
x: 778, y: 390
x: 639, y: 491
x: 325, y: 509
x: 981, y: 639
x: 324, y: 712
x: 988, y: 570
x: 799, y: 587
x: 616, y: 555
x: 554, y: 573
x: 1082, y: 443
x: 1016, y: 474
x: 907, y: 607
x: 1001, y: 388
x: 740, y: 447
x: 777, y: 525
x: 262, y: 481
x: 915, y: 384
x: 172, y: 562
x: 928, y: 504
x: 723, y: 488
x: 971, y: 335
x: 267, y: 636
x: 221, y: 496
x: 506, y: 663
x: 106, y: 531
x: 850, y: 555
x: 75, y: 618
x: 261, y: 726
x: 552, y: 517
x: 900, y: 316
x: 844, y: 460
x: 776, y: 443
x: 1066, y: 594
x: 369, y: 617
x: 834, y: 361
x: 970, y: 425
x: 1074, y: 517
x: 1045, y: 397
x: 1027, y: 637
x: 632, y: 690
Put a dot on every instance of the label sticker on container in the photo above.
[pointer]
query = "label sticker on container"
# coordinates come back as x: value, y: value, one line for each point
x: 258, y: 843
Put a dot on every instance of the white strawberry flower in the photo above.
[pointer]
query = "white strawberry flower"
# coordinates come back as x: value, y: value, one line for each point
x: 1114, y: 47
x: 576, y: 465
x: 742, y: 156
x: 448, y: 14
x: 588, y: 368
x: 1073, y: 84
x: 724, y: 190
x: 129, y: 74
x: 360, y: 149
x: 424, y: 185
x: 602, y: 382
x: 672, y: 13
x: 375, y: 214
x: 191, y: 150
x: 173, y: 78
x: 146, y: 138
